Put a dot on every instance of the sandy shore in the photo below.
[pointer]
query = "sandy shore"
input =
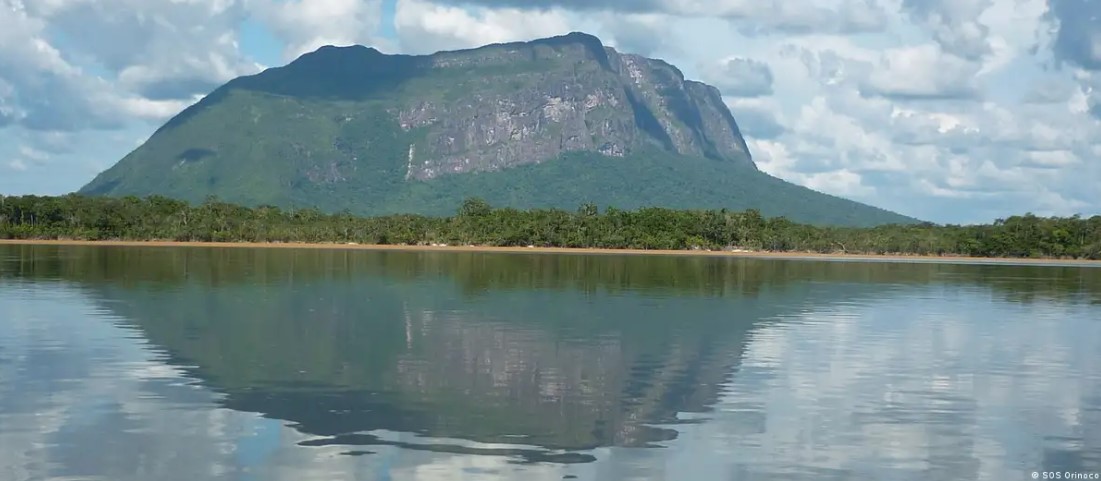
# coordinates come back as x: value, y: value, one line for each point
x: 565, y: 250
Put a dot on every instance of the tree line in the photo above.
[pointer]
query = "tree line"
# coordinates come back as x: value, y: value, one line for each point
x: 79, y: 217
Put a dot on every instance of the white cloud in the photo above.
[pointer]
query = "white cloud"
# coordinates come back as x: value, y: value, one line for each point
x: 638, y: 33
x: 954, y: 24
x: 1076, y: 42
x: 916, y: 123
x: 1052, y: 159
x: 750, y: 16
x: 158, y: 49
x: 33, y: 154
x: 157, y: 110
x: 839, y: 180
x: 741, y: 77
x: 923, y: 71
x: 76, y: 64
x: 71, y: 158
x: 425, y: 27
x: 17, y: 165
x: 757, y: 117
x: 306, y: 25
x: 33, y: 76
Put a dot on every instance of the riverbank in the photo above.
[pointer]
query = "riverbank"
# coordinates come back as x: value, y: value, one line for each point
x: 568, y: 250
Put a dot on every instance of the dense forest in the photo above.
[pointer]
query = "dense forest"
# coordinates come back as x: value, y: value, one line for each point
x: 477, y: 223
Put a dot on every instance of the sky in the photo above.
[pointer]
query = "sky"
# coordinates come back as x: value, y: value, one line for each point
x: 953, y: 111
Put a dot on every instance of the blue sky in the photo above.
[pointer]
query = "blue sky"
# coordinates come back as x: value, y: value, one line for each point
x: 949, y: 110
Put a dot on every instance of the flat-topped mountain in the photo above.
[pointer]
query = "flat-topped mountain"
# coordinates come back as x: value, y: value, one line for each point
x: 554, y: 122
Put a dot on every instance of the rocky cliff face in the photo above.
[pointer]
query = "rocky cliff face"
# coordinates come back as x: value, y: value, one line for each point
x: 544, y: 98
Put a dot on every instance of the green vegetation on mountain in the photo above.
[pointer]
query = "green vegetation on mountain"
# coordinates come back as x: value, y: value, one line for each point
x: 551, y: 123
x: 478, y: 223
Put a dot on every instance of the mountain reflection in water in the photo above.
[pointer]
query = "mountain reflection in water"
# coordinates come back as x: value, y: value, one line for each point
x: 536, y: 358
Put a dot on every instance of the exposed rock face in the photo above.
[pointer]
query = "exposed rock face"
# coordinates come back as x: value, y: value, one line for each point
x: 531, y: 102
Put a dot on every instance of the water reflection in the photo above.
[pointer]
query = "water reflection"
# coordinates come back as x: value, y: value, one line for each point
x: 474, y: 273
x: 930, y: 385
x: 363, y: 354
x: 83, y: 398
x: 253, y: 364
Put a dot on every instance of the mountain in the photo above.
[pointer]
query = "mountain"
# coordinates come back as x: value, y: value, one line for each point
x: 555, y: 122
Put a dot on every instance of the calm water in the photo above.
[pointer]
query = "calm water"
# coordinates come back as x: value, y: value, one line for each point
x: 241, y: 364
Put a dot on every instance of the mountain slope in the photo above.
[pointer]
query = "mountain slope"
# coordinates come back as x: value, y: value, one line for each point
x: 553, y: 122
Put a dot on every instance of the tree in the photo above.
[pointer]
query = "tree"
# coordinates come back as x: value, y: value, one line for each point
x: 475, y: 207
x: 94, y: 218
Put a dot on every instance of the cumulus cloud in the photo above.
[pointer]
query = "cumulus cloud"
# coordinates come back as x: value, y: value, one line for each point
x: 1053, y: 90
x: 425, y: 27
x: 757, y: 118
x: 70, y: 65
x: 1077, y: 43
x: 797, y: 18
x: 17, y: 164
x: 38, y: 88
x: 157, y: 49
x: 742, y: 77
x: 922, y: 72
x: 759, y: 16
x: 306, y: 25
x: 955, y: 24
x: 643, y: 34
x: 852, y: 125
x: 1078, y: 32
